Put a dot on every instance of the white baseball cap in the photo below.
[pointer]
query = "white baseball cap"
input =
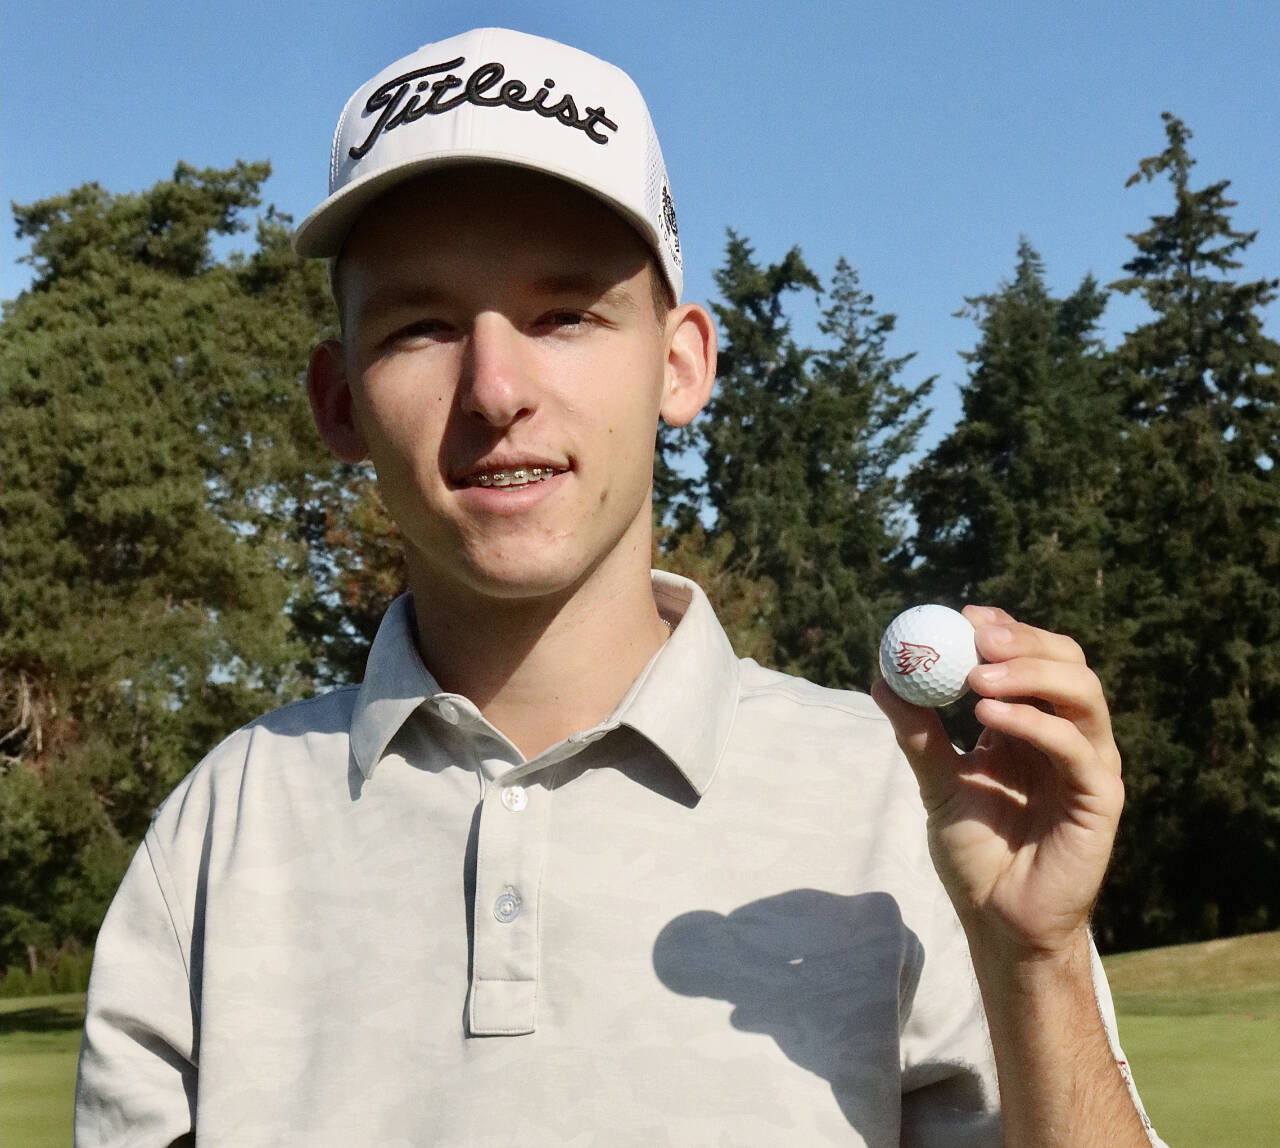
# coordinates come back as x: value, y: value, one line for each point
x: 497, y: 96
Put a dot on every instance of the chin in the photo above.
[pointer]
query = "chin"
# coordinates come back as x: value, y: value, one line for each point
x: 526, y: 565
x: 526, y: 576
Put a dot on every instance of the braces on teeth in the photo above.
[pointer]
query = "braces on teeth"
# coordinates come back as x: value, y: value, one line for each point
x: 519, y: 477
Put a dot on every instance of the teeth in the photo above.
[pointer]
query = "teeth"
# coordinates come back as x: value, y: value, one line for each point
x: 520, y: 476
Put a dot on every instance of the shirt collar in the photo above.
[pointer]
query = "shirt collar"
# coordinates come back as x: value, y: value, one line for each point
x: 686, y: 699
x: 395, y: 684
x: 683, y: 702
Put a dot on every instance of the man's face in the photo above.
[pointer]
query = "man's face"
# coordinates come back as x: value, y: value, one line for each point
x: 507, y: 370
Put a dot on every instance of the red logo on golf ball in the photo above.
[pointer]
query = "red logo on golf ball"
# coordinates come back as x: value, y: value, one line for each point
x: 912, y: 658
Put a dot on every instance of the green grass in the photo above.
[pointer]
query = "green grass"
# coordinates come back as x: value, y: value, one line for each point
x: 1199, y: 1023
x: 39, y: 1042
x: 1207, y: 1081
x: 1239, y: 976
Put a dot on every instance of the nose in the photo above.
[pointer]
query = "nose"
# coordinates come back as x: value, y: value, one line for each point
x: 496, y: 384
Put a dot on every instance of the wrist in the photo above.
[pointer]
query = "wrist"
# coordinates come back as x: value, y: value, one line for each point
x: 1010, y: 968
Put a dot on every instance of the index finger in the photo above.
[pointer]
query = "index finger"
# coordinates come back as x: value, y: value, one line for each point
x: 1000, y: 636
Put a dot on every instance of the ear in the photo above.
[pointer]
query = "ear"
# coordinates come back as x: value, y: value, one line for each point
x: 331, y: 402
x: 691, y: 363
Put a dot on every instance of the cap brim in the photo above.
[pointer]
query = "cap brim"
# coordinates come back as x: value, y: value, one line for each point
x: 322, y: 234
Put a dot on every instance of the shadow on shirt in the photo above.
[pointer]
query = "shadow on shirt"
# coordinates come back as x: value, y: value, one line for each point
x: 831, y: 979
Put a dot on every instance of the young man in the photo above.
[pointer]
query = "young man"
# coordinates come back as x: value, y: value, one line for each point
x: 563, y: 870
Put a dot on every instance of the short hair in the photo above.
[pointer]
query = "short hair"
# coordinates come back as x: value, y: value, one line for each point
x: 664, y: 297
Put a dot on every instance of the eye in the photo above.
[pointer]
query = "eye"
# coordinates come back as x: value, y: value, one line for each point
x: 421, y: 330
x: 562, y: 318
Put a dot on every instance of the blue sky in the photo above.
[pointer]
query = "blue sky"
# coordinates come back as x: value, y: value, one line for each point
x: 918, y: 140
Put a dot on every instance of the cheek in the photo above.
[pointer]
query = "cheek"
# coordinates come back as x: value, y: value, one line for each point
x: 403, y: 437
x: 627, y: 440
x: 399, y: 404
x: 636, y: 396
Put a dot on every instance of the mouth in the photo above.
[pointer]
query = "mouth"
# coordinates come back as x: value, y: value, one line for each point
x: 512, y: 477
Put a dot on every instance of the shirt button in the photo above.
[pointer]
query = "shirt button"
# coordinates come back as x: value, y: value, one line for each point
x: 507, y: 907
x: 515, y: 798
x: 450, y: 713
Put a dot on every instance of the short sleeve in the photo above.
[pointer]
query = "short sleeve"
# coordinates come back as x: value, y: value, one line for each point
x: 950, y: 1094
x: 1102, y: 990
x: 136, y: 1084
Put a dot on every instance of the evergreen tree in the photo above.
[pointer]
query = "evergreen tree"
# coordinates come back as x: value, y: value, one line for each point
x: 747, y: 608
x: 1197, y: 558
x: 358, y: 570
x: 1010, y: 504
x: 800, y: 447
x: 160, y: 482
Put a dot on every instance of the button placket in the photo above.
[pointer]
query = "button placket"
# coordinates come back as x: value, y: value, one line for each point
x: 505, y: 958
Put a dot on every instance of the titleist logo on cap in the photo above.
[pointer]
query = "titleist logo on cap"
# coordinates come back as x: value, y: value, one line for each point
x: 400, y: 100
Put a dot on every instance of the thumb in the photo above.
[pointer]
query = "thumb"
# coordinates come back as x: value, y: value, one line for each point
x: 924, y: 741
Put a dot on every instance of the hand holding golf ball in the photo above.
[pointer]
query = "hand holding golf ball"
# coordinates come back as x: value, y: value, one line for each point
x: 1020, y: 827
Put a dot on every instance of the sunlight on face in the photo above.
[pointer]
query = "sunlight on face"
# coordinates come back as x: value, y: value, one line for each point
x: 500, y: 321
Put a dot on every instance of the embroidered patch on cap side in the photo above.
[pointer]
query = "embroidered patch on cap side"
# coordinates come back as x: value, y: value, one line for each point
x: 670, y: 230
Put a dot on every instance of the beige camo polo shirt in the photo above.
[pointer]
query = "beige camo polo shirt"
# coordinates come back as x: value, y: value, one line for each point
x: 365, y: 919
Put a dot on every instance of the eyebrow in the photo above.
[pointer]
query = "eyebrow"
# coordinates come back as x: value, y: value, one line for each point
x: 397, y: 297
x: 573, y: 283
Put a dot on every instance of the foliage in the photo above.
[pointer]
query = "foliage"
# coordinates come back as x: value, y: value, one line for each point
x: 160, y: 477
x: 1130, y: 498
x: 1196, y: 589
x: 363, y: 571
x: 800, y: 447
x: 67, y: 972
x: 1010, y: 504
x: 746, y: 606
x: 177, y: 553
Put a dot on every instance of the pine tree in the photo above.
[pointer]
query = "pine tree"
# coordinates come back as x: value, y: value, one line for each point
x: 358, y: 570
x: 160, y: 474
x: 747, y: 608
x: 800, y: 447
x: 1197, y: 513
x: 1010, y: 504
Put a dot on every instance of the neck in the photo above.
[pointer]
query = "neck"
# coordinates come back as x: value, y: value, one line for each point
x: 544, y: 667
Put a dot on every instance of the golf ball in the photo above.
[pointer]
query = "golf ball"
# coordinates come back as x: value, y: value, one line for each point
x: 926, y: 655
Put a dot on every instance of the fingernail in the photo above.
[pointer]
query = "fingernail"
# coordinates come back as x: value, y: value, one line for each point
x: 999, y: 635
x: 989, y: 675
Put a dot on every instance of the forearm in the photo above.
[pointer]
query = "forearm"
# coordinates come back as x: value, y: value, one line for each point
x: 1059, y: 1081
